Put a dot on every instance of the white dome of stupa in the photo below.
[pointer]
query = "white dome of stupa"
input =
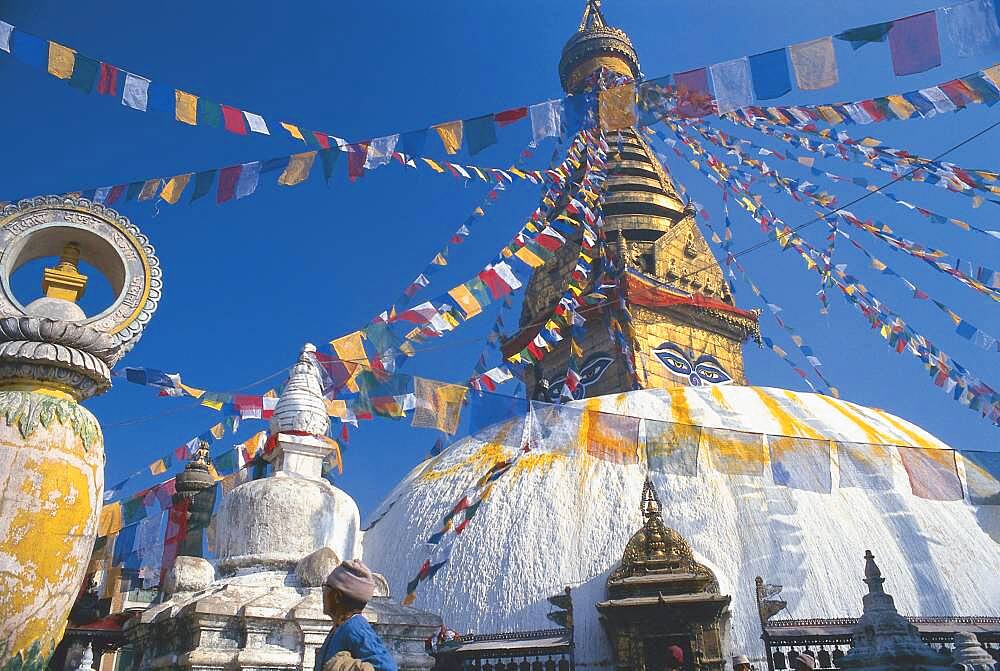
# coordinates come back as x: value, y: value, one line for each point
x: 561, y: 517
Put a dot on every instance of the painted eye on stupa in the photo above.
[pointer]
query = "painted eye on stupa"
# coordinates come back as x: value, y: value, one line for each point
x: 593, y: 370
x: 708, y: 369
x: 674, y: 358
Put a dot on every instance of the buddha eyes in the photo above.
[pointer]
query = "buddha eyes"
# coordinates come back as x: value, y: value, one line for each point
x: 593, y: 370
x: 711, y: 372
x: 705, y: 370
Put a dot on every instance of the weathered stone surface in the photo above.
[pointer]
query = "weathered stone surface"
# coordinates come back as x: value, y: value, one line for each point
x: 970, y: 656
x: 189, y: 574
x: 312, y: 570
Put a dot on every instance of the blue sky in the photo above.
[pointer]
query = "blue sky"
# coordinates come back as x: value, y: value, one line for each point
x: 246, y: 283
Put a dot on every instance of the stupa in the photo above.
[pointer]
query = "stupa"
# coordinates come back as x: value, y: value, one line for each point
x: 260, y: 605
x: 563, y: 515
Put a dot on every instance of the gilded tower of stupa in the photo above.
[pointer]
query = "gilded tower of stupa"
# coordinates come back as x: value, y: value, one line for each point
x: 686, y: 328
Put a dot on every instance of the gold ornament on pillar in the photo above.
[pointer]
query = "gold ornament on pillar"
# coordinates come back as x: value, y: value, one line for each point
x: 52, y: 356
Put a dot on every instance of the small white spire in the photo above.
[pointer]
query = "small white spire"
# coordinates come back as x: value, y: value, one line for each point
x: 301, y: 406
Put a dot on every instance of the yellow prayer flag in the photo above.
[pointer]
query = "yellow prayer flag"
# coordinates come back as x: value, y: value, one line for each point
x: 351, y: 349
x: 158, y: 467
x: 993, y: 74
x: 61, y: 60
x: 438, y: 404
x: 299, y: 166
x: 434, y: 166
x: 336, y: 407
x: 470, y: 306
x: 218, y: 431
x: 293, y: 131
x: 191, y: 391
x: 878, y: 265
x: 616, y: 107
x: 831, y: 115
x: 451, y: 135
x: 529, y: 257
x: 735, y: 452
x: 175, y: 187
x: 270, y: 393
x: 517, y: 172
x: 901, y: 106
x: 214, y: 405
x: 186, y: 107
x: 111, y: 519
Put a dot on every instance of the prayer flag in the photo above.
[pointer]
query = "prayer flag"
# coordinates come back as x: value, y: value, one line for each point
x: 299, y: 166
x: 438, y: 404
x: 107, y: 83
x: 480, y: 133
x: 982, y: 475
x: 228, y: 177
x: 694, y: 97
x: 815, y: 64
x: 510, y: 116
x: 29, y: 49
x: 801, y: 463
x: 913, y: 43
x: 84, y: 73
x: 771, y: 78
x: 256, y: 123
x: 555, y: 428
x: 329, y: 158
x: 859, y: 37
x: 580, y: 112
x: 247, y: 183
x: 971, y: 27
x: 357, y: 155
x: 202, y: 184
x: 158, y: 467
x: 294, y: 131
x: 610, y: 437
x: 938, y: 98
x: 351, y: 349
x: 226, y: 462
x: 451, y: 135
x: 546, y: 119
x: 150, y: 188
x: 616, y: 107
x: 487, y: 410
x: 61, y: 60
x: 413, y: 143
x: 209, y: 113
x: 380, y: 151
x: 672, y: 448
x: 233, y: 120
x: 175, y: 187
x: 110, y: 520
x: 735, y: 452
x: 931, y: 472
x: 186, y: 107
x: 5, y: 30
x: 731, y: 80
x: 470, y: 306
x: 134, y: 92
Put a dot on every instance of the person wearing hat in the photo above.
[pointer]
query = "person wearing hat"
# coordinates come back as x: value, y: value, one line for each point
x: 352, y: 644
x: 675, y: 657
x: 741, y: 663
x: 803, y: 662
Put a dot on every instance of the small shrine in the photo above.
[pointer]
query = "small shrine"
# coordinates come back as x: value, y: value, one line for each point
x: 661, y: 601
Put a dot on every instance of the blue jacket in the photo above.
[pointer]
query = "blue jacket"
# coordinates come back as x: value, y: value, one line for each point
x: 357, y: 637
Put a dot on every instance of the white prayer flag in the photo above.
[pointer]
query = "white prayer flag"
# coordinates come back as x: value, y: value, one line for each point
x: 942, y: 103
x: 256, y: 123
x: 545, y: 119
x: 5, y: 31
x: 732, y: 84
x: 247, y: 183
x: 971, y: 27
x: 380, y: 151
x: 135, y: 92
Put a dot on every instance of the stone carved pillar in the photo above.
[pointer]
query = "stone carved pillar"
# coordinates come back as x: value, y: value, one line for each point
x: 52, y: 356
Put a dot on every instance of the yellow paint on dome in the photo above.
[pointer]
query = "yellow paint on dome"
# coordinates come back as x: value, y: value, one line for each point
x: 679, y: 408
x: 872, y: 435
x: 915, y: 439
x: 789, y: 424
x: 534, y: 461
x: 483, y: 458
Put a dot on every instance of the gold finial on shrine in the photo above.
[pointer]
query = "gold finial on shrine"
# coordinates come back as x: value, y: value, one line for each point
x: 65, y: 281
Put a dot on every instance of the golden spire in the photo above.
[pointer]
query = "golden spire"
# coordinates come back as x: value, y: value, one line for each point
x: 65, y: 280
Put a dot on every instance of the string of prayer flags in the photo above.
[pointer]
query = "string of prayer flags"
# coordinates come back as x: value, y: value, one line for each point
x: 932, y: 473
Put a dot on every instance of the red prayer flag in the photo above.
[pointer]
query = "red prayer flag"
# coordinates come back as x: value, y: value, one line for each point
x: 872, y: 109
x: 228, y: 177
x: 914, y: 45
x: 356, y: 155
x: 322, y: 138
x: 115, y: 193
x: 233, y: 119
x: 508, y: 117
x: 958, y: 93
x: 932, y: 473
x: 107, y: 84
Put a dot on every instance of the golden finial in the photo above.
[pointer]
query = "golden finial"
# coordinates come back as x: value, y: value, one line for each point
x: 65, y: 280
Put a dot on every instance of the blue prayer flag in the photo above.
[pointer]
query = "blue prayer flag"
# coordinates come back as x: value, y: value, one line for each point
x: 30, y: 49
x: 982, y: 475
x: 413, y: 143
x: 480, y: 133
x: 801, y: 463
x: 123, y: 544
x: 485, y: 410
x: 580, y: 113
x: 771, y: 77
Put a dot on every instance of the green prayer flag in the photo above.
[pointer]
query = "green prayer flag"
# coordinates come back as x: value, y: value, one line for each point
x: 84, y: 73
x: 133, y: 510
x: 209, y: 113
x: 225, y: 463
x: 329, y: 158
x: 859, y: 37
x: 134, y: 189
x: 202, y: 184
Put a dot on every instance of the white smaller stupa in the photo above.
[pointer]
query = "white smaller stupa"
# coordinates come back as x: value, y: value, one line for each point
x: 260, y: 605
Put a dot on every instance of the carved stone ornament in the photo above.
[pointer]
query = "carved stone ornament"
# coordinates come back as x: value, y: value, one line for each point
x: 52, y: 340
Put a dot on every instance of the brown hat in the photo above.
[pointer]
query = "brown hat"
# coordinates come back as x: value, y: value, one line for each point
x: 807, y: 660
x: 354, y: 579
x: 740, y: 659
